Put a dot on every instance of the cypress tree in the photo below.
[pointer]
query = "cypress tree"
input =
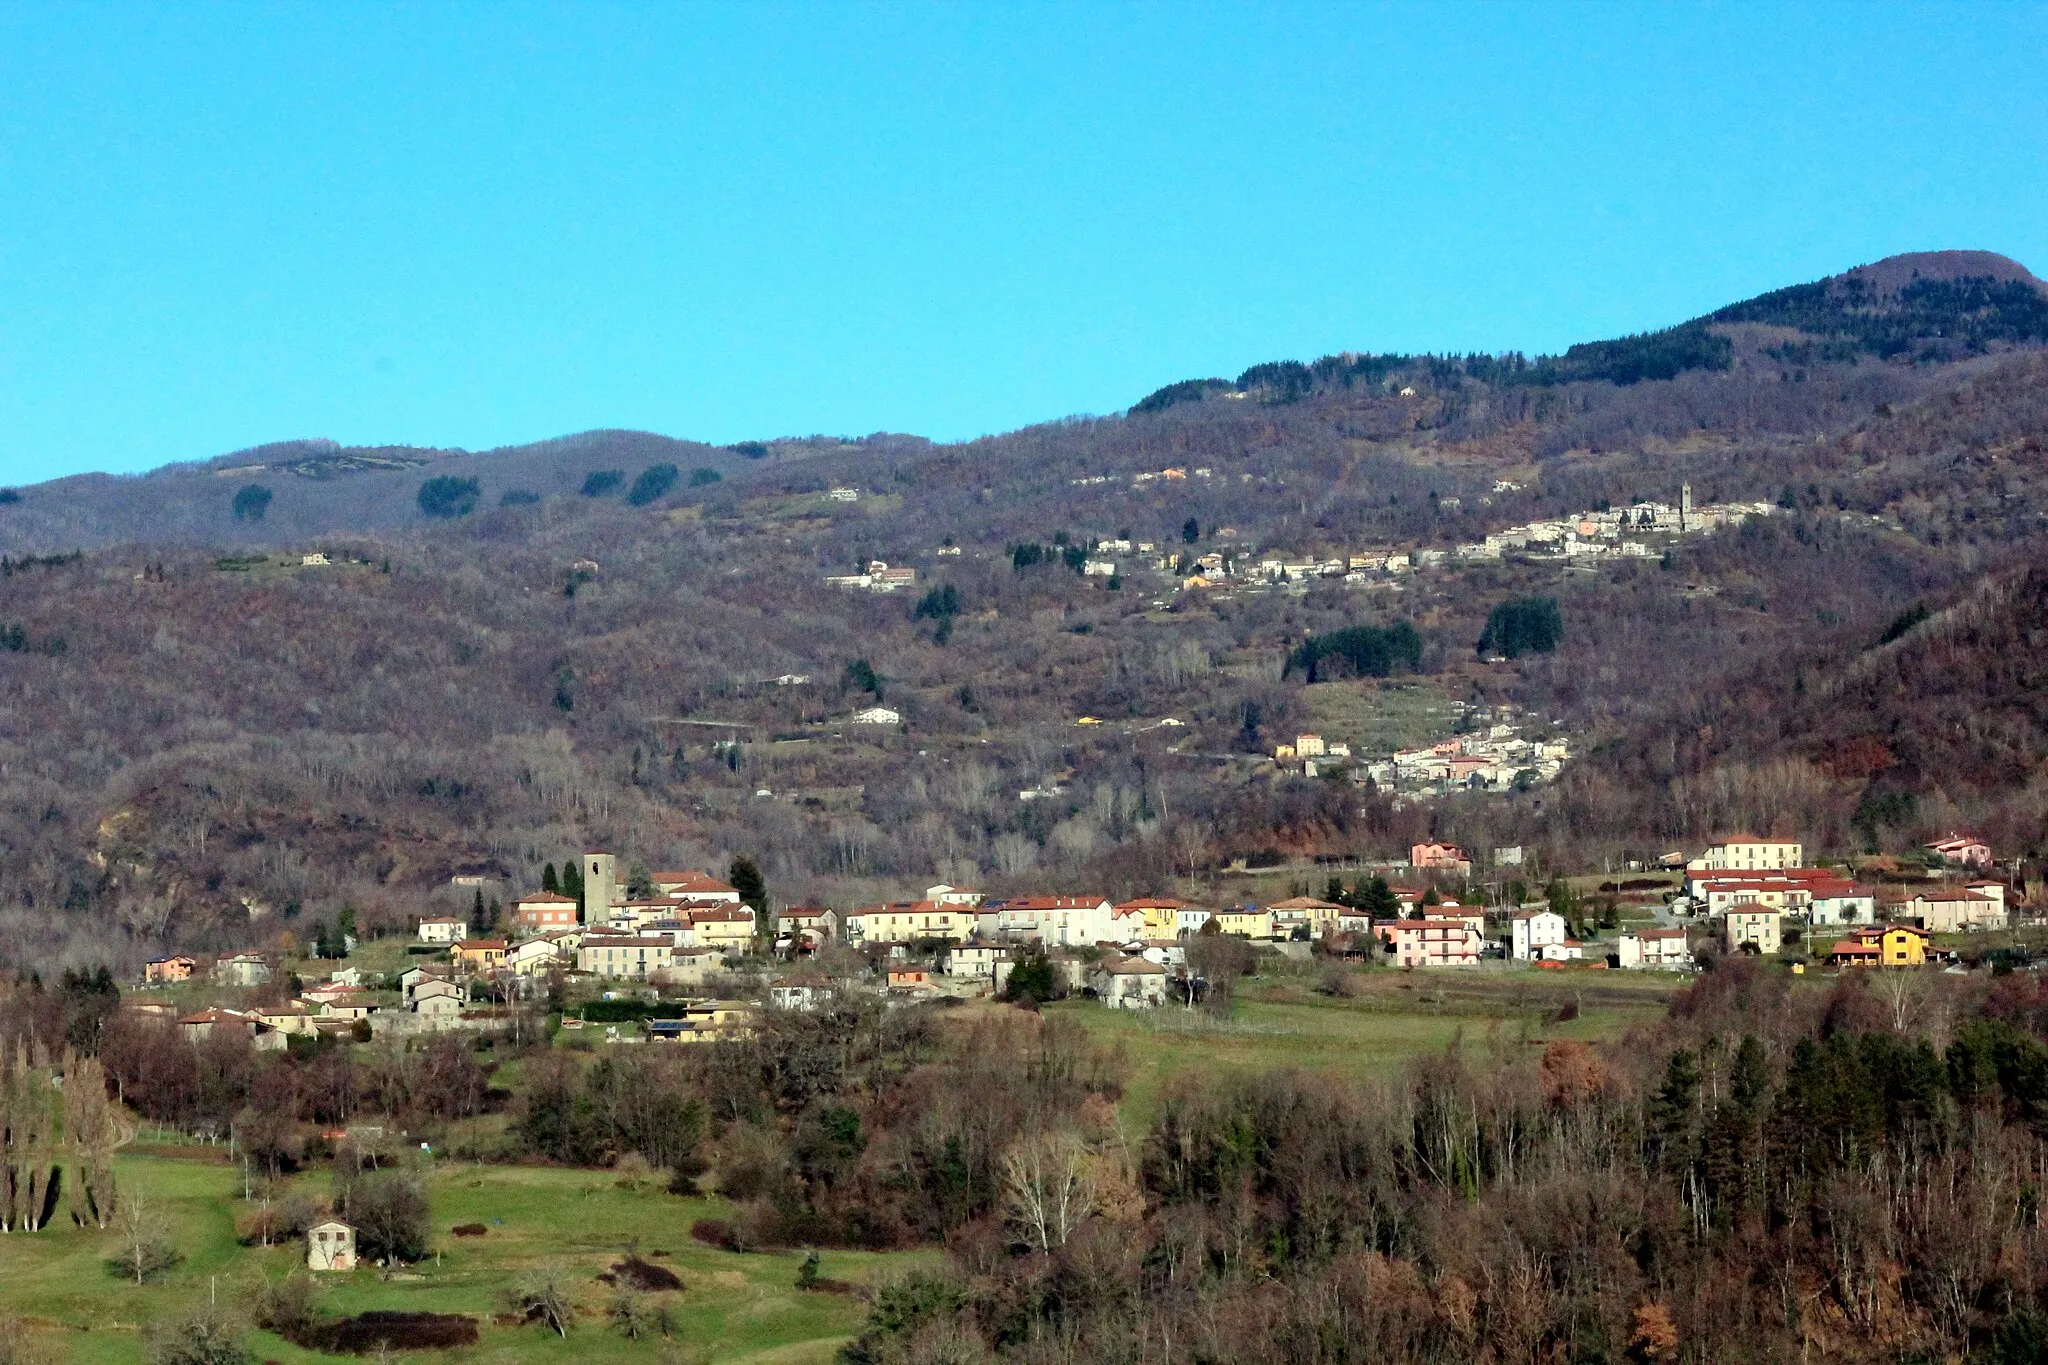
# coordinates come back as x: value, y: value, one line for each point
x: 547, y: 879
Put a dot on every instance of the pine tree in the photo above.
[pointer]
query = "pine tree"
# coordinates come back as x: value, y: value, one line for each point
x: 746, y: 879
x: 547, y: 879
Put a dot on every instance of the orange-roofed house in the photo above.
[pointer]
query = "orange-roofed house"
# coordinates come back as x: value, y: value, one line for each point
x: 542, y: 911
x: 1889, y: 945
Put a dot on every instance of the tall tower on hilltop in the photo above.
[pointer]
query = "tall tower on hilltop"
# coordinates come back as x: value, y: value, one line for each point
x: 1685, y: 507
x: 600, y: 872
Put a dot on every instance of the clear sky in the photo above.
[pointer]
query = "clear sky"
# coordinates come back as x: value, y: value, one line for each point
x: 478, y: 224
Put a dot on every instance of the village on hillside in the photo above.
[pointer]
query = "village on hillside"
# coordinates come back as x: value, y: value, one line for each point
x: 706, y: 958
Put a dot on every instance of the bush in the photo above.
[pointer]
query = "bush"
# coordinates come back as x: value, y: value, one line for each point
x: 251, y: 502
x: 701, y: 478
x: 653, y: 484
x: 468, y: 1230
x: 209, y: 1337
x: 448, y: 497
x: 370, y: 1333
x: 634, y: 1315
x: 638, y: 1274
x: 541, y: 1298
x: 602, y: 481
x: 290, y: 1306
x: 518, y: 497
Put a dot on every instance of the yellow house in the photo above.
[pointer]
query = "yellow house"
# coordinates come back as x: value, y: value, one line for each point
x: 479, y: 954
x: 1245, y: 922
x: 1892, y: 945
x: 1162, y: 914
x: 732, y: 929
x: 1320, y: 916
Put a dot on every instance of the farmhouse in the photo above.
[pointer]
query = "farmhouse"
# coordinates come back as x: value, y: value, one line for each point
x: 165, y: 971
x: 330, y: 1246
x: 1965, y: 849
x: 1129, y: 983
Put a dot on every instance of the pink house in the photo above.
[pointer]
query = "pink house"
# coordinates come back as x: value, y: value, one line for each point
x: 1439, y: 858
x: 1966, y: 849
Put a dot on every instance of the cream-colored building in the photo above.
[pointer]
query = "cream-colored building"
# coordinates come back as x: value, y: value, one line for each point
x: 1750, y: 923
x: 903, y: 921
x: 633, y: 959
x: 1747, y: 853
x: 330, y: 1246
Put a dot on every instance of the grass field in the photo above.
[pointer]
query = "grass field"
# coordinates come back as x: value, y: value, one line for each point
x: 743, y: 1308
x: 1379, y: 717
x: 1282, y: 1022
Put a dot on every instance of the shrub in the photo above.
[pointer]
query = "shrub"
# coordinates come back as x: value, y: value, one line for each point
x: 290, y: 1306
x: 468, y: 1230
x: 639, y: 1274
x: 599, y: 482
x: 700, y: 478
x: 371, y: 1333
x: 634, y: 1315
x: 210, y: 1336
x: 448, y: 497
x: 653, y: 484
x: 518, y: 497
x: 541, y: 1298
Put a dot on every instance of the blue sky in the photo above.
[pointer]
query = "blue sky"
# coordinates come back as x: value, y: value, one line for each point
x: 479, y: 224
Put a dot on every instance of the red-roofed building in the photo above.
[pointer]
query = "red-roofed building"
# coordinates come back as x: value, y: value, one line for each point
x: 542, y: 911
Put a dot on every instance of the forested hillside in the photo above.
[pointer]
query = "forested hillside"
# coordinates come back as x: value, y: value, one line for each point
x: 628, y: 640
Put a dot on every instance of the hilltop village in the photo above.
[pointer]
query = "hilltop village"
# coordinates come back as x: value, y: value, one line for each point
x: 704, y: 956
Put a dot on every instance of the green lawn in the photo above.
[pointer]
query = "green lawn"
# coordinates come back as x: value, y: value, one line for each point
x: 1281, y: 1023
x: 1377, y: 718
x: 743, y: 1308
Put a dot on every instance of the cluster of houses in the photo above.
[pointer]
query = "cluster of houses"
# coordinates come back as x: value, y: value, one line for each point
x: 1626, y: 532
x: 1755, y: 886
x: 1495, y: 760
x: 877, y: 577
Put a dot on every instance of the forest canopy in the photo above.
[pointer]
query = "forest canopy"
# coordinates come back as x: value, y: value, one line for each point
x: 447, y: 497
x: 1527, y: 625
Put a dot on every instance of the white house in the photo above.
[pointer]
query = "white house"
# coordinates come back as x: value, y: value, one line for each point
x: 1654, y: 950
x: 443, y: 930
x: 1534, y: 930
x: 877, y: 715
x: 1840, y: 902
x: 1076, y: 920
x: 976, y: 961
x: 1748, y: 853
